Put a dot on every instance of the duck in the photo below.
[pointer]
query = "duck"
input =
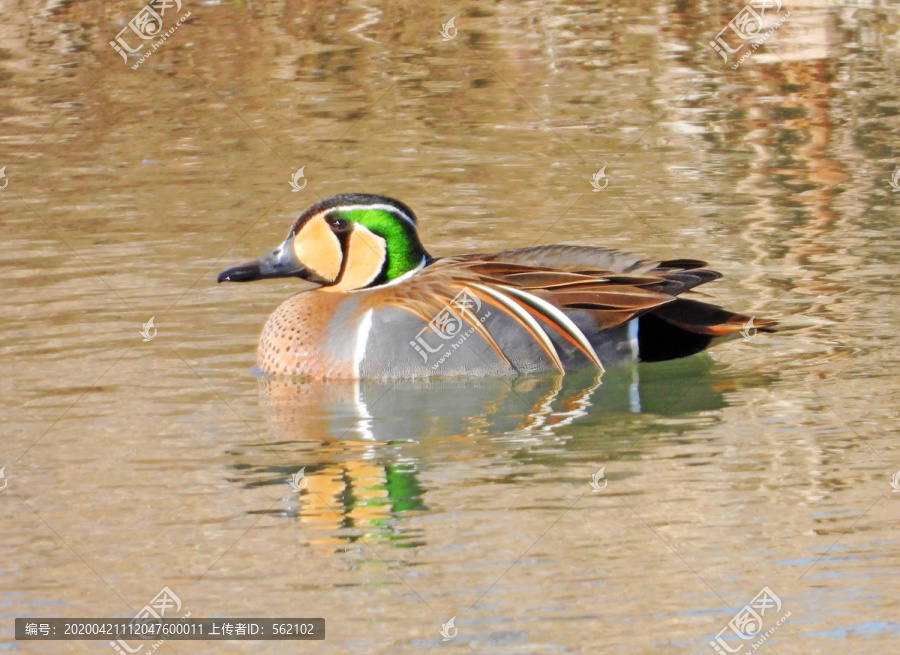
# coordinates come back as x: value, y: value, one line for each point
x: 383, y: 308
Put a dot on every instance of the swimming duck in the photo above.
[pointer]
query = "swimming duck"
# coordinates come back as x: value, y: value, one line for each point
x: 385, y: 308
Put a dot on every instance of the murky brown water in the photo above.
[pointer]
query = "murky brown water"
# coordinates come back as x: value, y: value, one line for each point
x: 135, y: 465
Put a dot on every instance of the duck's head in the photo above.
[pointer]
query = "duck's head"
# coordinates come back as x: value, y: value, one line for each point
x: 346, y: 242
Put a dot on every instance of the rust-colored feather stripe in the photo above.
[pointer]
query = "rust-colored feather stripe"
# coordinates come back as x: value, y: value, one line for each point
x: 701, y: 318
x: 569, y: 258
x: 547, y: 279
x: 535, y: 286
x: 611, y: 297
x: 488, y: 268
x: 510, y: 283
x: 472, y: 321
x: 553, y: 316
x: 608, y: 318
x: 427, y: 300
x: 521, y: 315
x: 672, y: 277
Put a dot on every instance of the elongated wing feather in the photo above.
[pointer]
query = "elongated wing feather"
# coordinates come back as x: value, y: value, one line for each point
x: 536, y: 287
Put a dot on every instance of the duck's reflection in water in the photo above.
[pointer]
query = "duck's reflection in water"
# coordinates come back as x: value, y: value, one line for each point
x: 363, y: 445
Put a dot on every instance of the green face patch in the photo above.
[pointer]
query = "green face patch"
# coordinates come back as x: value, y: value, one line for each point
x: 404, y: 251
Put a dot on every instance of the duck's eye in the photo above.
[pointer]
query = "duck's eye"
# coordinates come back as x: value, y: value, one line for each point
x: 337, y: 223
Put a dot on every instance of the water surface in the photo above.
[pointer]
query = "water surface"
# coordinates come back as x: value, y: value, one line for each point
x: 136, y: 465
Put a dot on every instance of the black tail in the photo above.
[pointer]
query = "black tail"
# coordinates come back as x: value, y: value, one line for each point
x: 685, y: 327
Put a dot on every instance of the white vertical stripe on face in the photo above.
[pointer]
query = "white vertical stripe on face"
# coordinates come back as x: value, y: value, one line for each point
x: 362, y: 338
